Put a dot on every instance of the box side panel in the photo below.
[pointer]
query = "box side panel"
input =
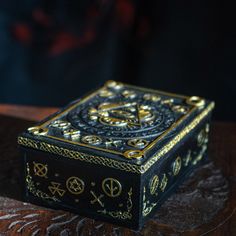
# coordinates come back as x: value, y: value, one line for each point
x: 94, y: 191
x: 160, y: 181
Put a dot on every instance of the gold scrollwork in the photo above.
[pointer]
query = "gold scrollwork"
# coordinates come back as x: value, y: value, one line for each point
x: 114, y: 85
x: 129, y: 94
x: 180, y: 109
x: 75, y: 185
x: 40, y: 169
x: 111, y: 187
x: 176, y: 166
x: 200, y: 155
x: 71, y: 134
x: 147, y: 205
x: 105, y: 93
x: 122, y: 215
x: 30, y: 185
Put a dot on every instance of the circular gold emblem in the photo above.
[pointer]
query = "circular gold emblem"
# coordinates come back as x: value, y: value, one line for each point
x: 111, y: 187
x: 154, y: 184
x: 176, y: 166
x: 92, y: 139
x: 36, y: 130
x: 75, y: 185
x: 136, y: 154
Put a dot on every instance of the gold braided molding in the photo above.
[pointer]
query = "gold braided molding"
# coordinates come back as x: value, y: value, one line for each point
x: 114, y: 163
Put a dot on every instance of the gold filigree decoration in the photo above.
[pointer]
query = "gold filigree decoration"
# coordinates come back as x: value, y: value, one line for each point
x: 114, y: 163
x: 122, y: 215
x: 147, y: 206
x: 30, y: 185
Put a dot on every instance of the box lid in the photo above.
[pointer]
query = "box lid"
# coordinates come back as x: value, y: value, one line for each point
x: 118, y: 125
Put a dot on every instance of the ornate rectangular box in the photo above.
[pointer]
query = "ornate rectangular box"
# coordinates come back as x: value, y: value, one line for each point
x: 116, y: 154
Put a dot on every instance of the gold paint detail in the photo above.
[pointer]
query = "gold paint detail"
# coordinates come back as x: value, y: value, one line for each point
x: 111, y: 187
x: 40, y: 169
x: 105, y: 93
x: 114, y: 85
x: 92, y: 139
x: 55, y: 188
x: 37, y: 130
x: 147, y: 205
x: 151, y: 97
x: 75, y: 185
x: 122, y: 215
x: 163, y: 183
x: 188, y: 158
x: 180, y: 109
x: 200, y: 155
x: 97, y: 199
x: 137, y: 143
x: 196, y: 101
x: 168, y: 102
x: 71, y: 134
x: 30, y: 185
x: 202, y: 137
x: 133, y: 154
x: 27, y: 142
x: 112, y: 143
x: 129, y: 94
x: 60, y: 124
x: 154, y: 185
x: 176, y: 166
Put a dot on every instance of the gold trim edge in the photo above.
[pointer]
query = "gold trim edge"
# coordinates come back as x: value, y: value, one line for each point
x: 124, y: 166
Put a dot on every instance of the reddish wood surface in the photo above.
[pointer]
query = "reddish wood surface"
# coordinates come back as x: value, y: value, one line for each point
x: 203, y: 205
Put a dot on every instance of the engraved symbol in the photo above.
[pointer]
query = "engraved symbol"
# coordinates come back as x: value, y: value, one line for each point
x: 106, y: 93
x: 113, y: 84
x: 188, y: 158
x: 75, y: 185
x: 60, y: 124
x: 111, y: 187
x: 163, y: 183
x: 151, y: 97
x: 122, y: 114
x: 138, y: 143
x: 71, y: 134
x: 92, y: 139
x: 180, y: 109
x: 97, y: 199
x: 202, y: 137
x: 55, y: 188
x: 176, y: 166
x: 129, y: 94
x: 112, y: 143
x: 154, y: 184
x: 40, y: 169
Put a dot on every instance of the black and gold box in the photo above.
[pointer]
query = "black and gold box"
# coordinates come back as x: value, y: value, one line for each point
x: 116, y: 154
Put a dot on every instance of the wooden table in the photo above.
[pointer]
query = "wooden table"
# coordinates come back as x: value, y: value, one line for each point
x: 203, y: 205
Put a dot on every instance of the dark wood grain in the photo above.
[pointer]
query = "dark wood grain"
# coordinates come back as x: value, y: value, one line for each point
x: 203, y: 205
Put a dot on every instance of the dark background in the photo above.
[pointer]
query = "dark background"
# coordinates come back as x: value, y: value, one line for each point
x: 52, y: 52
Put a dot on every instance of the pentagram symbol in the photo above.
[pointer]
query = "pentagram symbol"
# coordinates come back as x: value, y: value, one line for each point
x: 55, y: 188
x: 75, y: 185
x: 111, y: 187
x: 154, y: 184
x: 40, y: 169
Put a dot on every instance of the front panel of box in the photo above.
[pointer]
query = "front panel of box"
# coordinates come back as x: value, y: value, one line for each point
x: 100, y: 193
